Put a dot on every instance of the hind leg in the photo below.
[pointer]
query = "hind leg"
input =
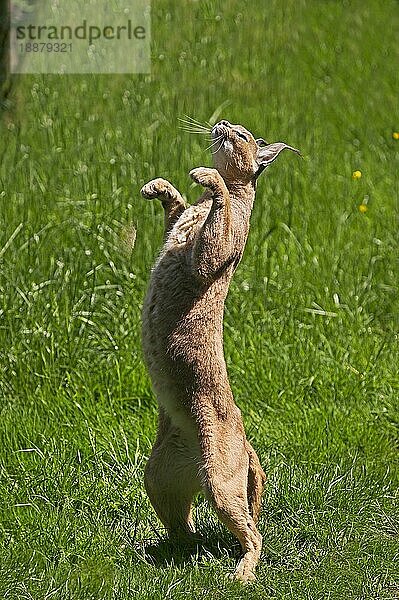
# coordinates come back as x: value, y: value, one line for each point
x: 172, y: 201
x: 226, y: 467
x: 171, y: 480
x: 229, y: 497
x: 256, y: 482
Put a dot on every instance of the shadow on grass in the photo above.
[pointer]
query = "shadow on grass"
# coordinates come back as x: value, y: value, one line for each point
x: 166, y: 552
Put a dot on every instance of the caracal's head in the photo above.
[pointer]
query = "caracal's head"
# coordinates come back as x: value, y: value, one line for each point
x: 238, y: 156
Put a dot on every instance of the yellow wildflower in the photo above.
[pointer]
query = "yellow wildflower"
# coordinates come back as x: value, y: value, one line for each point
x: 363, y: 208
x: 356, y: 174
x: 395, y: 135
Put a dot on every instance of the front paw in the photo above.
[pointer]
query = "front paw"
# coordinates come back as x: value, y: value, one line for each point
x: 156, y: 188
x: 208, y: 178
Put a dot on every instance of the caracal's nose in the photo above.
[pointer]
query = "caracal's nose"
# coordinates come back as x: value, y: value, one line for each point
x: 220, y: 127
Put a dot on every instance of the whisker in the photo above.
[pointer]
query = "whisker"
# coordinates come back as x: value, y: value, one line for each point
x: 193, y: 130
x: 215, y: 141
x: 213, y: 144
x: 192, y: 123
x: 193, y: 126
x: 191, y: 120
x: 199, y: 125
x: 221, y: 144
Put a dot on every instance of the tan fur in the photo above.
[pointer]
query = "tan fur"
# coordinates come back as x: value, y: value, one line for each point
x: 201, y: 443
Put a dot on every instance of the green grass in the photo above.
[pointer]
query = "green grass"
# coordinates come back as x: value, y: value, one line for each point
x: 311, y: 321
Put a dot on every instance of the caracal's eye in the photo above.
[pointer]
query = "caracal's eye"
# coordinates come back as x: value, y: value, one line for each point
x: 242, y: 135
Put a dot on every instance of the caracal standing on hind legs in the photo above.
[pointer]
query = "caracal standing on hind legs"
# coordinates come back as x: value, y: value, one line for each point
x: 201, y: 443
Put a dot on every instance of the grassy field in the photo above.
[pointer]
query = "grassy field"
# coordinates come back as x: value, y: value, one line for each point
x: 311, y: 321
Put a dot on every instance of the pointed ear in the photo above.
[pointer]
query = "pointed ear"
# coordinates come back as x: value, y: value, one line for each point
x: 268, y: 153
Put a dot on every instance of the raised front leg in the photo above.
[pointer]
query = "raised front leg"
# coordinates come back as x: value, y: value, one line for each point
x: 213, y: 248
x: 171, y: 199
